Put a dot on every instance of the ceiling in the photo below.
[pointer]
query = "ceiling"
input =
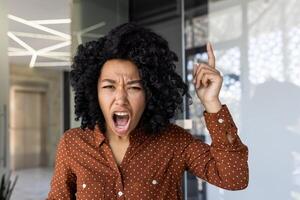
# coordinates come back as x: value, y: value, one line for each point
x: 35, y: 42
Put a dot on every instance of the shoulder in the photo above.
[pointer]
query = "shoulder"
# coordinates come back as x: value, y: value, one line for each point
x: 72, y: 133
x: 76, y: 135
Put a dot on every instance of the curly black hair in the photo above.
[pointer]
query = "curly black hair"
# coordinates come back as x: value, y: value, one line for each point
x: 164, y: 88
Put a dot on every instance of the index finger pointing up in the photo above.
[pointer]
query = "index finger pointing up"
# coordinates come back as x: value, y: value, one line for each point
x: 211, y: 56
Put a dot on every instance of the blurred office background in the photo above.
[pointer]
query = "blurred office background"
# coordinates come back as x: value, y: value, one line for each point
x: 257, y: 47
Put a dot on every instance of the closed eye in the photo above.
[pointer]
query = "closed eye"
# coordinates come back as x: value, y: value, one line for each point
x: 109, y: 86
x: 135, y: 88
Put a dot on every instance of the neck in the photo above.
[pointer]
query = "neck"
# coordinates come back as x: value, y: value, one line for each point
x: 117, y: 139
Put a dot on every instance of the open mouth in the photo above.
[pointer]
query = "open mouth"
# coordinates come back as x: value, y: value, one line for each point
x: 121, y: 121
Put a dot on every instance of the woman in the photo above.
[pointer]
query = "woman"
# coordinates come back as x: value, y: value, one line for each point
x: 126, y: 92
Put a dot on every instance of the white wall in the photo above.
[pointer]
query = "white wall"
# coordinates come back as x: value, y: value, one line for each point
x: 266, y: 35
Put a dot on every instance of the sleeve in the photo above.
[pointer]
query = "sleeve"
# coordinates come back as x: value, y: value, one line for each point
x: 224, y: 162
x: 63, y: 183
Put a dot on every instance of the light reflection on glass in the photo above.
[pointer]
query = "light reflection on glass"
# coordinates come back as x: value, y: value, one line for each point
x: 266, y: 58
x: 294, y: 55
x: 270, y: 38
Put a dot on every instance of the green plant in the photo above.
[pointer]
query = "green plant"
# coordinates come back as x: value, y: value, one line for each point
x: 6, y: 185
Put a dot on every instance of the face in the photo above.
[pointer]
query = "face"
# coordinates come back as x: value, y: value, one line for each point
x: 121, y: 96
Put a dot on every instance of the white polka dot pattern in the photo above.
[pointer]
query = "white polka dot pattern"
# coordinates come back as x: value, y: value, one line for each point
x: 152, y: 167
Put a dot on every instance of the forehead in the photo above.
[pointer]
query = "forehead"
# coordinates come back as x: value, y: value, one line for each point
x: 119, y: 68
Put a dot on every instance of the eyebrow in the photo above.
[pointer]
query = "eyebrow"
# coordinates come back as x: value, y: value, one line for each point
x: 129, y: 82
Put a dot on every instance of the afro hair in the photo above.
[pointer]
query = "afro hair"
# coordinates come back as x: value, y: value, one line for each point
x: 164, y: 88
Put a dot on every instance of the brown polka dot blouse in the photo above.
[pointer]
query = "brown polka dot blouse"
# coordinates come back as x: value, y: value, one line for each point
x: 153, y: 166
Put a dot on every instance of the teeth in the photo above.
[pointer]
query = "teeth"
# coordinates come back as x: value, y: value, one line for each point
x: 121, y: 113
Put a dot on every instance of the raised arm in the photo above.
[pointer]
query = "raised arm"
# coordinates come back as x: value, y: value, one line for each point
x: 224, y: 162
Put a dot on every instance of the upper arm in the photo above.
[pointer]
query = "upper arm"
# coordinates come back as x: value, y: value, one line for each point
x: 63, y: 182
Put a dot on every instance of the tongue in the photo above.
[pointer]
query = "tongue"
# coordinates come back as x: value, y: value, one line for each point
x: 121, y: 121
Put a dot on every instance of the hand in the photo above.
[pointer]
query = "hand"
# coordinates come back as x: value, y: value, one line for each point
x: 208, y: 80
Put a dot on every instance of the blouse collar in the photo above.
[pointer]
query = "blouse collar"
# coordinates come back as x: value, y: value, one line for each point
x: 137, y: 136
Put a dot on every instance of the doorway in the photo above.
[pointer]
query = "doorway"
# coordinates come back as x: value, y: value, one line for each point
x: 28, y: 126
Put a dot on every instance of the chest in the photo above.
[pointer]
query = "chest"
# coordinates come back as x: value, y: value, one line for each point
x: 118, y: 151
x: 144, y: 168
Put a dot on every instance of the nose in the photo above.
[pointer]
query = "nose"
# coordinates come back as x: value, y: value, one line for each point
x: 121, y: 96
